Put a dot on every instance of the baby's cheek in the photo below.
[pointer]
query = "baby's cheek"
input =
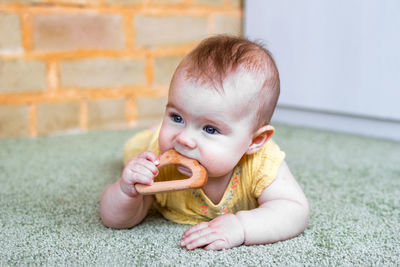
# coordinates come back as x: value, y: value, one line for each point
x: 163, y: 143
x: 219, y: 166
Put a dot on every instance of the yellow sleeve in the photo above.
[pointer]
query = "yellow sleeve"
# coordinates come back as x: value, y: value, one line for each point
x: 266, y: 165
x: 137, y: 144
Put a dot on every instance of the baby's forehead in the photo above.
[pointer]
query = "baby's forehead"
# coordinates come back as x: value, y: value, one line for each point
x: 243, y: 90
x: 237, y: 81
x: 239, y: 88
x: 240, y: 85
x: 243, y: 82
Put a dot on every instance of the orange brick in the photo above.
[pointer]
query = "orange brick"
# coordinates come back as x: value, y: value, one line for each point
x: 151, y: 107
x: 102, y: 72
x: 168, y: 1
x: 80, y: 2
x: 169, y: 30
x: 228, y: 24
x: 10, y: 33
x: 13, y: 121
x: 135, y: 43
x: 22, y: 1
x: 106, y: 113
x: 164, y: 68
x: 237, y: 2
x: 209, y: 2
x: 19, y: 75
x: 124, y: 1
x: 150, y: 111
x: 61, y: 32
x: 57, y: 117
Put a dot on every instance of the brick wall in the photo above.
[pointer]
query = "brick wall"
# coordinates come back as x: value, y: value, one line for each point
x: 78, y: 65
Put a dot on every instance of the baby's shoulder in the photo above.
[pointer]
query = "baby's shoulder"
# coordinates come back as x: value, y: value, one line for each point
x: 267, y: 159
x: 260, y: 169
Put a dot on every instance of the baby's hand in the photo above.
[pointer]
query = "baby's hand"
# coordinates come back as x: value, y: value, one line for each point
x: 141, y: 169
x: 223, y: 232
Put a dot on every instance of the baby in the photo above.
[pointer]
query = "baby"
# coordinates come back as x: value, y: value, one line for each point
x: 220, y: 102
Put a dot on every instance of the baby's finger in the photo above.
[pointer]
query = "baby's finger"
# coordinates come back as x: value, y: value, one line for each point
x: 131, y: 173
x: 150, y: 156
x: 141, y: 163
x: 195, y: 228
x: 201, y: 241
x: 137, y: 174
x: 199, y: 236
x: 130, y: 178
x: 139, y: 178
x: 217, y: 245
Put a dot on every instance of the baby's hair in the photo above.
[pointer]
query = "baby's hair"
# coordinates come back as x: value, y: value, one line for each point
x: 218, y: 56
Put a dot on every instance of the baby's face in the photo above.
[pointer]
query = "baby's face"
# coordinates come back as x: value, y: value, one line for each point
x: 205, y: 125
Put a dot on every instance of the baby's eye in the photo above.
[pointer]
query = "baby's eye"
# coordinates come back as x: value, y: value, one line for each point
x: 176, y: 118
x: 210, y: 130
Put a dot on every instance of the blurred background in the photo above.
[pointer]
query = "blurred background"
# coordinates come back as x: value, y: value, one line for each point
x: 80, y: 65
x: 339, y: 62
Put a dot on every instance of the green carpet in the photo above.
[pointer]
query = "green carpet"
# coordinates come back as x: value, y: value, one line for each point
x: 50, y: 189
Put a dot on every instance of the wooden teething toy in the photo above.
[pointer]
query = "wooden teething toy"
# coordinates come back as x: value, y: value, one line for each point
x: 198, y: 179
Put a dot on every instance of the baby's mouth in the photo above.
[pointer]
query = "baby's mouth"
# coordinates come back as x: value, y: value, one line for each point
x: 184, y: 170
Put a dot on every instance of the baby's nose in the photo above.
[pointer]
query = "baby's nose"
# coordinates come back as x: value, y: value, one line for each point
x: 186, y: 140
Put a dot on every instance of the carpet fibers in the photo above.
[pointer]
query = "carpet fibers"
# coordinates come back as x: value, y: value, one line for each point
x: 50, y: 189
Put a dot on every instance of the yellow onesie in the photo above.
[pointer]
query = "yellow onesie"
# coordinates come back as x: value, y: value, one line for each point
x: 250, y: 177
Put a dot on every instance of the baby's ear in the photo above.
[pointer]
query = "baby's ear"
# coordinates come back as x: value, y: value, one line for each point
x: 260, y: 137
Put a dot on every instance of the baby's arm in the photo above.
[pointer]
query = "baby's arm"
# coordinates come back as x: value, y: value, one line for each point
x: 121, y: 205
x: 283, y: 213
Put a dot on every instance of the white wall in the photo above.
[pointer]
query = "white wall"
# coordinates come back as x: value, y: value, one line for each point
x: 339, y: 61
